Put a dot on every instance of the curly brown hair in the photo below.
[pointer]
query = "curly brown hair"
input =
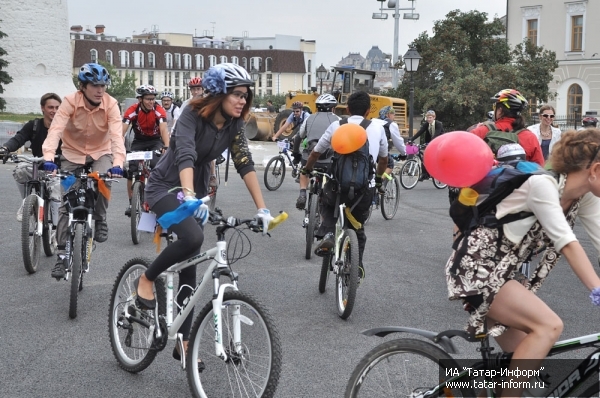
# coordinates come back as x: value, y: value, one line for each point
x: 576, y: 150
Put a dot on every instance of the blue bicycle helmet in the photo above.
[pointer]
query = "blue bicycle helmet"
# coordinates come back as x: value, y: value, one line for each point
x: 94, y: 73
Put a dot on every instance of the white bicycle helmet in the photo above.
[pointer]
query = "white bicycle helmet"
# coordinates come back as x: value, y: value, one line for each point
x: 221, y: 77
x: 510, y: 152
x: 326, y: 101
x: 167, y: 94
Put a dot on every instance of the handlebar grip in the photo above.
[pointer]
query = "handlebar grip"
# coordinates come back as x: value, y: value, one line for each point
x: 386, y: 175
x: 278, y: 220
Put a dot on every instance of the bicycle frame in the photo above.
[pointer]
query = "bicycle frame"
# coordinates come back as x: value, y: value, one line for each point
x: 36, y: 187
x: 339, y: 229
x: 285, y: 151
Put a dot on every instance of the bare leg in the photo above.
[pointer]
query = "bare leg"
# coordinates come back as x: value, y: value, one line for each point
x: 129, y: 190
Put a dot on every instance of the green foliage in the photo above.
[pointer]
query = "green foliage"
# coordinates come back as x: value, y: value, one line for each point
x: 20, y: 118
x: 261, y: 100
x: 466, y: 62
x: 4, y: 76
x: 120, y: 88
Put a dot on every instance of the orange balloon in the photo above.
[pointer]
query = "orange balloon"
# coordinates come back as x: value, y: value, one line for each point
x: 348, y: 138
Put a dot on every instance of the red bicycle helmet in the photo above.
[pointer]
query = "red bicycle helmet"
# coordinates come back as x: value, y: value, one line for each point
x: 510, y: 99
x: 195, y: 82
x: 589, y: 121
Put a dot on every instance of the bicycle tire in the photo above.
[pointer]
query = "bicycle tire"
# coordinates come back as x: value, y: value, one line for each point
x: 391, y: 199
x: 438, y: 184
x: 375, y: 375
x: 30, y: 241
x: 137, y: 200
x: 77, y: 256
x: 346, y: 279
x: 311, y: 227
x: 255, y: 370
x: 48, y: 232
x: 324, y: 276
x: 410, y: 174
x: 274, y: 173
x: 122, y: 298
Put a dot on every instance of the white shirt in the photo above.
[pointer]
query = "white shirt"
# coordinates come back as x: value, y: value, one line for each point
x: 397, y: 139
x: 378, y: 146
x: 556, y: 133
x: 540, y: 195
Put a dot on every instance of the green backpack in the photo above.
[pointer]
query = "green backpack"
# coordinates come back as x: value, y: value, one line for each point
x: 496, y: 138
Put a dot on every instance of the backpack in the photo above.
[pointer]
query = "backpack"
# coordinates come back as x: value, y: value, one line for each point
x: 354, y: 171
x: 496, y: 138
x: 492, y: 189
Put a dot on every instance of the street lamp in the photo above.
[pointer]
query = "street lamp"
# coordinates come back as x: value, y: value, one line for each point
x: 186, y: 82
x: 321, y: 74
x: 411, y: 63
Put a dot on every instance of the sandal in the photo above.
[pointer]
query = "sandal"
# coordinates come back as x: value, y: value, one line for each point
x: 100, y: 231
x: 177, y: 356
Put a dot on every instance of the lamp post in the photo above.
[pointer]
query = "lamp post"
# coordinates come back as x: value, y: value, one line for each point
x: 411, y: 63
x: 321, y: 74
x: 186, y: 82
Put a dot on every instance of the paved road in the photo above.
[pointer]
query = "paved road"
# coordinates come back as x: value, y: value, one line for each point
x: 45, y: 354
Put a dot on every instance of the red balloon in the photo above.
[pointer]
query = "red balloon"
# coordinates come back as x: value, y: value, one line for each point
x: 459, y: 159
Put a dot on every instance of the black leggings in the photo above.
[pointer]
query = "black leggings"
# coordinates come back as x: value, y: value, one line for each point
x: 190, y: 236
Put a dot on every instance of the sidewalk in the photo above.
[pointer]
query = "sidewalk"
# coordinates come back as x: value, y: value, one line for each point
x: 262, y: 152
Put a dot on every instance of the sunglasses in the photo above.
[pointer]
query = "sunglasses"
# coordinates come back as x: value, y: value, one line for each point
x: 297, y: 111
x: 547, y: 115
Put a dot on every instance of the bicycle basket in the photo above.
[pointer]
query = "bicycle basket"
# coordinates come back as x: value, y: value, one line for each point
x: 283, y: 145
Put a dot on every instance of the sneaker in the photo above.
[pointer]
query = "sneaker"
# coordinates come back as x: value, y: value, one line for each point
x: 128, y: 211
x: 100, y: 231
x: 20, y: 212
x: 301, y: 202
x: 58, y: 271
x: 325, y: 246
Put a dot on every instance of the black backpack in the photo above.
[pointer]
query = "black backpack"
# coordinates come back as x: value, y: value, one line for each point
x: 492, y: 189
x: 354, y: 171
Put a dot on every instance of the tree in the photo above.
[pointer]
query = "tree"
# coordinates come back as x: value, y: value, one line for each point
x: 120, y: 88
x: 4, y: 77
x: 466, y: 62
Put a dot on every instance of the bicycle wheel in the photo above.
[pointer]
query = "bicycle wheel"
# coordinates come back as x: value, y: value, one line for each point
x: 132, y: 343
x: 77, y: 257
x: 402, y: 367
x: 438, y: 184
x: 137, y: 202
x: 253, y: 364
x: 325, y: 268
x: 312, y: 226
x: 390, y: 200
x: 48, y: 232
x: 409, y: 174
x: 274, y: 173
x: 30, y: 241
x: 346, y: 279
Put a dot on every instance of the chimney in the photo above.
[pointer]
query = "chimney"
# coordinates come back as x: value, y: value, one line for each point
x: 76, y: 28
x: 100, y: 29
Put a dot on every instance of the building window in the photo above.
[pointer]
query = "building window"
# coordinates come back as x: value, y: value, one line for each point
x: 268, y: 64
x: 309, y: 67
x: 532, y: 30
x: 109, y: 56
x: 166, y: 73
x: 245, y: 63
x: 141, y: 77
x: 177, y: 61
x: 138, y: 59
x: 577, y: 33
x: 187, y: 61
x: 124, y: 58
x: 269, y: 91
x: 269, y: 80
x: 170, y: 78
x: 151, y: 77
x: 168, y: 60
x: 222, y: 59
x: 177, y: 79
x: 177, y: 93
x: 212, y: 60
x: 259, y: 80
x: 235, y: 60
x: 151, y: 60
x: 574, y: 101
x: 94, y: 56
x: 199, y: 61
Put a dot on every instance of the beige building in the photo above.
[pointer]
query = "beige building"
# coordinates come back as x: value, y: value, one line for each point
x: 571, y: 30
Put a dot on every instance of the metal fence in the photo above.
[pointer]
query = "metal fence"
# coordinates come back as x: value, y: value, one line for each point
x: 563, y: 122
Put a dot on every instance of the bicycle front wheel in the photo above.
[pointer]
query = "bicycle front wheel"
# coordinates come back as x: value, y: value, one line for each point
x: 403, y: 368
x: 312, y: 226
x: 137, y: 201
x: 438, y: 184
x: 30, y: 240
x: 251, y: 343
x: 274, y: 173
x: 410, y: 174
x: 133, y: 343
x: 390, y: 199
x: 76, y: 257
x: 347, y: 276
x: 48, y: 232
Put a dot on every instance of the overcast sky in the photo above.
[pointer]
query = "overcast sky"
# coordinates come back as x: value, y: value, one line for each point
x: 338, y: 27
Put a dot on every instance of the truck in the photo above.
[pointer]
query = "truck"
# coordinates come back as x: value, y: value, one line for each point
x: 346, y: 80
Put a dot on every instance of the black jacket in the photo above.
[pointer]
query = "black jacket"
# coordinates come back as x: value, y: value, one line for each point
x: 439, y: 130
x: 36, y: 137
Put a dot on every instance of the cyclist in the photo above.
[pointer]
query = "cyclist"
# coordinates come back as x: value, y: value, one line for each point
x: 206, y: 127
x: 359, y: 106
x: 148, y: 121
x: 485, y: 275
x: 312, y: 129
x: 508, y: 105
x: 392, y: 132
x: 430, y: 129
x: 172, y: 110
x: 295, y: 119
x: 589, y: 122
x: 35, y: 131
x: 89, y: 124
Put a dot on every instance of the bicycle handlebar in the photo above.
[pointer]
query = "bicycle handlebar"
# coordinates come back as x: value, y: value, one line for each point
x: 103, y: 176
x: 254, y: 224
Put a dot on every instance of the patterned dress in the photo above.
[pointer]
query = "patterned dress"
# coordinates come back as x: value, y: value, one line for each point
x: 491, y: 261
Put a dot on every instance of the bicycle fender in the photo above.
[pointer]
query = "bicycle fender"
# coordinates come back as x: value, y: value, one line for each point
x: 445, y: 342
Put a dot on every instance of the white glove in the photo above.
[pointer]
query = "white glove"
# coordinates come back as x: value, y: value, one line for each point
x: 201, y: 213
x: 264, y: 215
